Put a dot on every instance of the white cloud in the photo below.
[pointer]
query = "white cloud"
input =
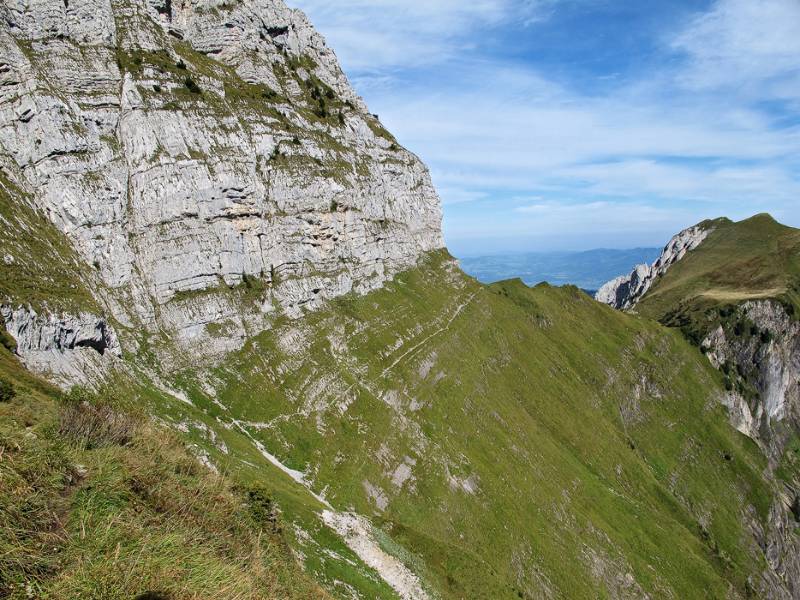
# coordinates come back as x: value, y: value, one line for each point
x: 743, y: 43
x: 638, y: 178
x: 687, y: 139
x: 515, y: 134
x: 583, y: 217
x: 371, y: 35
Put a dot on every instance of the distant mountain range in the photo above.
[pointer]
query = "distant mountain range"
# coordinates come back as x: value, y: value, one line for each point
x: 588, y: 270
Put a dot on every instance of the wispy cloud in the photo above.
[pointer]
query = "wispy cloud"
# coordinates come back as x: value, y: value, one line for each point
x: 503, y: 133
x: 583, y: 217
x: 372, y: 35
x: 757, y: 186
x: 694, y: 133
x: 743, y: 44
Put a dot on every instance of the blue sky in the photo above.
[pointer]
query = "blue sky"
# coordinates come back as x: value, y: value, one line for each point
x: 576, y: 124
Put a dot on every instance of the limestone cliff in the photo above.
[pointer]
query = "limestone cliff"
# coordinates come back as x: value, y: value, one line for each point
x: 66, y: 348
x: 762, y: 366
x: 625, y: 291
x: 765, y: 359
x: 207, y: 158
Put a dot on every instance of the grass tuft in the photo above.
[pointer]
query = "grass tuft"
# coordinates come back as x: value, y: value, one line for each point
x: 100, y: 503
x: 7, y: 341
x: 91, y: 421
x: 7, y: 391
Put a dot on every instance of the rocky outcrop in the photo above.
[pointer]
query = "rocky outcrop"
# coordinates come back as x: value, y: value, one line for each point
x: 782, y: 578
x: 68, y: 348
x: 756, y: 344
x: 765, y: 357
x: 625, y: 291
x: 192, y: 151
x: 758, y: 349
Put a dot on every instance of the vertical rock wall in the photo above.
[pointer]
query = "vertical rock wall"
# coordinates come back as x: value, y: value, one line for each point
x: 209, y: 159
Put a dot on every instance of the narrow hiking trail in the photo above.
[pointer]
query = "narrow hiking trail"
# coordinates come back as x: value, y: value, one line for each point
x: 459, y: 309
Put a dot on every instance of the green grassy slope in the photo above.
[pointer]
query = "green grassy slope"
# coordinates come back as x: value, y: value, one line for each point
x: 99, y: 503
x: 509, y: 442
x: 505, y: 442
x: 37, y: 264
x: 753, y: 259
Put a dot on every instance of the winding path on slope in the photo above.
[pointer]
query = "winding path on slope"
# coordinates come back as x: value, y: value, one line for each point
x: 459, y: 309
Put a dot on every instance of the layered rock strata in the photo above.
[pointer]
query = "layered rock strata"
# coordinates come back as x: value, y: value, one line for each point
x: 67, y: 348
x: 208, y: 158
x: 625, y: 291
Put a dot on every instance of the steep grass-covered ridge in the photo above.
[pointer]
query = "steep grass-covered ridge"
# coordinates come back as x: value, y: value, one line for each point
x: 736, y: 295
x: 511, y: 441
x: 291, y: 390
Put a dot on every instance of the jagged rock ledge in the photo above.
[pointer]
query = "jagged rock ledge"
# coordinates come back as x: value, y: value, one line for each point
x: 625, y: 291
x: 772, y: 361
x: 67, y: 348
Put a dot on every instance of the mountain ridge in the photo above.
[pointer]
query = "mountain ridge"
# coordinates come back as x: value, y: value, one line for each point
x: 208, y: 191
x: 735, y: 296
x: 587, y: 269
x: 761, y: 228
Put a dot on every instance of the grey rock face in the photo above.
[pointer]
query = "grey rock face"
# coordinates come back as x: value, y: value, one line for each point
x: 68, y: 348
x: 625, y: 291
x: 194, y: 151
x: 782, y: 577
x: 772, y: 364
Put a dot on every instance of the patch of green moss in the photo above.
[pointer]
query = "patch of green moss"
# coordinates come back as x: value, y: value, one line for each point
x: 789, y: 468
x: 6, y: 341
x: 379, y: 130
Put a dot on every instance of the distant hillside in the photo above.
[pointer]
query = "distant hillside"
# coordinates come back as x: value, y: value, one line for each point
x: 737, y: 296
x: 733, y: 289
x: 587, y: 270
x: 754, y: 259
